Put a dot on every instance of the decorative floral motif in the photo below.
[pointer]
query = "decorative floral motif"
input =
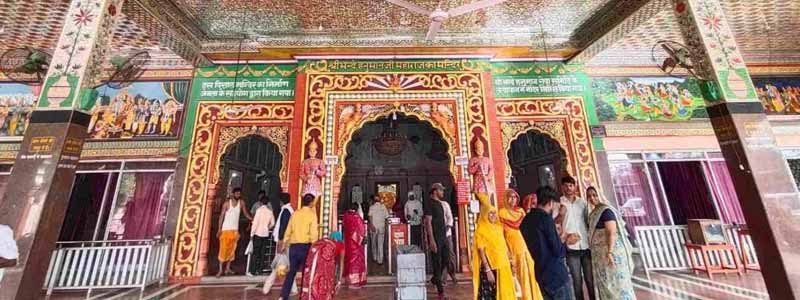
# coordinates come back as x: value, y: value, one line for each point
x: 517, y: 116
x: 208, y: 136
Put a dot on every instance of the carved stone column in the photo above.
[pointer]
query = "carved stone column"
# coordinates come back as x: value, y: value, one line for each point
x: 761, y: 175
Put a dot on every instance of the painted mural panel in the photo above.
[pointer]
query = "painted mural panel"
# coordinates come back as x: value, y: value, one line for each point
x: 147, y: 109
x: 779, y: 95
x: 16, y: 103
x: 648, y: 99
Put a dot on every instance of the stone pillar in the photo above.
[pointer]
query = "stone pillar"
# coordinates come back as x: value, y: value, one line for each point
x: 761, y: 176
x: 40, y: 184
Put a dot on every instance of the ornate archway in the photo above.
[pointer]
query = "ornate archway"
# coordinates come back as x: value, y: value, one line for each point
x: 536, y: 158
x: 563, y: 119
x: 219, y: 125
x: 330, y: 99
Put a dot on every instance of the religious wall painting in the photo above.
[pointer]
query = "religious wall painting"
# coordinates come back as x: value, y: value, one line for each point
x: 779, y: 95
x: 648, y: 99
x: 143, y: 110
x: 17, y: 101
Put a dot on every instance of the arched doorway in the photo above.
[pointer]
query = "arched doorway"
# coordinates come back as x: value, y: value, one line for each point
x: 253, y: 163
x: 394, y: 154
x: 536, y: 160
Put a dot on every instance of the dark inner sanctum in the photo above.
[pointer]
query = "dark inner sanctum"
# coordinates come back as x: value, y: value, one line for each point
x: 536, y: 160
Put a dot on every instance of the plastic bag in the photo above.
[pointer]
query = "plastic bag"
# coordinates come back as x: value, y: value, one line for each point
x: 249, y: 248
x: 281, y: 264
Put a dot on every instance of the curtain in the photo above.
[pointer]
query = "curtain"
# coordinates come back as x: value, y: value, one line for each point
x: 83, y: 208
x: 724, y: 192
x: 634, y: 195
x: 686, y: 190
x: 794, y: 165
x: 143, y: 212
x: 176, y: 89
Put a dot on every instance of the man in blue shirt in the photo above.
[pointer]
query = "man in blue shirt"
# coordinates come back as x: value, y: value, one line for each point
x: 548, y: 251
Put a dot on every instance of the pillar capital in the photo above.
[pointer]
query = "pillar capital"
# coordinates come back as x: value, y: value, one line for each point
x: 714, y: 51
x: 79, y: 55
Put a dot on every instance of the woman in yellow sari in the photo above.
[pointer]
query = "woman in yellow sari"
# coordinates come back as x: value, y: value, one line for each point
x: 511, y: 216
x: 491, y: 268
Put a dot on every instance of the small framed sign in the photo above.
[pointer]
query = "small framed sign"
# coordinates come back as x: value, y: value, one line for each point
x: 331, y: 160
x: 598, y: 130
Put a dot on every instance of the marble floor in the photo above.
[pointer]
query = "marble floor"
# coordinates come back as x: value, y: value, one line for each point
x: 660, y: 286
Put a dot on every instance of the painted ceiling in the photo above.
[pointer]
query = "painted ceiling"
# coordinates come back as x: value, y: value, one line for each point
x: 37, y: 24
x: 766, y: 30
x: 381, y: 23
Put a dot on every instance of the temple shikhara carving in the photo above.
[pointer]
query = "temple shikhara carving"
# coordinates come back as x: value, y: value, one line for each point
x: 210, y: 149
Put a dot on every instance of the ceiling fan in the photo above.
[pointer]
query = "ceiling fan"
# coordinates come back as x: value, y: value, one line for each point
x: 438, y: 15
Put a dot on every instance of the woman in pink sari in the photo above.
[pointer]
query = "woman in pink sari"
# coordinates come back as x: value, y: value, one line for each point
x: 355, y: 266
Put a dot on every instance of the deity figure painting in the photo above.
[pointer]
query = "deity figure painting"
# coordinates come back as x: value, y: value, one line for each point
x: 779, y: 95
x: 141, y: 110
x: 480, y: 168
x: 312, y: 170
x: 17, y: 101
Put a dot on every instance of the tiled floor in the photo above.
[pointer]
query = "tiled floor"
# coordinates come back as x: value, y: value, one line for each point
x: 660, y: 286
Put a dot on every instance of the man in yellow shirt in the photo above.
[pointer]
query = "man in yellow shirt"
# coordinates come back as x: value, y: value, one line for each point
x: 302, y: 231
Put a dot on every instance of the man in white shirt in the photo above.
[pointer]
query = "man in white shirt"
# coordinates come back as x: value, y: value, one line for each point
x: 576, y: 231
x: 263, y: 221
x: 413, y: 211
x: 377, y: 228
x: 449, y: 222
x: 8, y: 249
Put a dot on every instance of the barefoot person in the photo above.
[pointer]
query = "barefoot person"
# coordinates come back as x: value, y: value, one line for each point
x: 492, y: 273
x: 228, y: 234
x: 302, y: 231
x: 436, y: 230
x: 611, y: 250
x: 511, y: 216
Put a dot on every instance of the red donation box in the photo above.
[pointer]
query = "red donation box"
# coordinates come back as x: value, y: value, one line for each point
x: 398, y: 235
x: 462, y: 191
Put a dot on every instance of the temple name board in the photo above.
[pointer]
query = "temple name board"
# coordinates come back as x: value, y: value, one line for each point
x: 412, y: 65
x: 538, y: 86
x: 245, y: 88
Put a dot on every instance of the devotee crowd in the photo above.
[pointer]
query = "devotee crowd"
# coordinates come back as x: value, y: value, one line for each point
x: 547, y: 245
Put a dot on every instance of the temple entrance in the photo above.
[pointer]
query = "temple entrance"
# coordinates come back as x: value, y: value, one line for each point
x: 536, y: 160
x: 253, y: 164
x: 391, y: 158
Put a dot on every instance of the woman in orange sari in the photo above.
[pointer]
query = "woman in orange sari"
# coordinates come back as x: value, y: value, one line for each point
x: 511, y: 216
x: 355, y: 268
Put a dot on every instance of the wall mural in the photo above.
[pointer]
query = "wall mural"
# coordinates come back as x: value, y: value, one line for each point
x: 648, y: 99
x: 779, y: 95
x: 16, y: 103
x: 142, y: 110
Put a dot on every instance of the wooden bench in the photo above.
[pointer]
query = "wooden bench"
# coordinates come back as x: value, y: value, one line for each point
x: 706, y: 251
